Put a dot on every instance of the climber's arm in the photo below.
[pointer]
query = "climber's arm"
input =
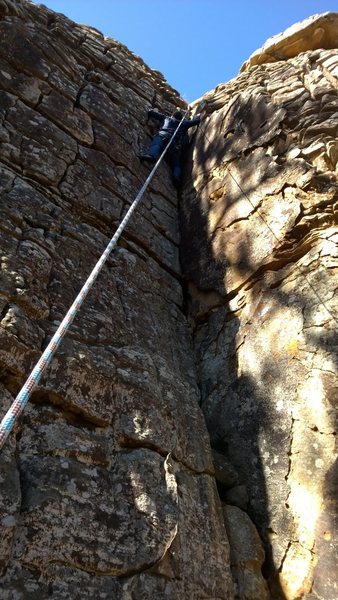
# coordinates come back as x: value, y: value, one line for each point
x: 155, y: 114
x: 193, y: 122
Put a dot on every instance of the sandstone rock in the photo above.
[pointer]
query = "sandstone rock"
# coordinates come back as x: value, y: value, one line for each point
x: 108, y: 481
x: 107, y: 486
x: 259, y: 251
x: 224, y: 471
x: 64, y: 495
x: 237, y: 496
x: 247, y: 555
x: 318, y: 31
x: 10, y: 494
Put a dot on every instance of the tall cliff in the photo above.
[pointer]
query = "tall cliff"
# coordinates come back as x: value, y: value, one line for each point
x: 109, y: 487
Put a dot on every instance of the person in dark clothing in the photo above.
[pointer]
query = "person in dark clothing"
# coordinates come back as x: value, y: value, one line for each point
x: 168, y: 126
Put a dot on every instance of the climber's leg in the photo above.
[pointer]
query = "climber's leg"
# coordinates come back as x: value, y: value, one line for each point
x: 175, y: 163
x: 156, y: 147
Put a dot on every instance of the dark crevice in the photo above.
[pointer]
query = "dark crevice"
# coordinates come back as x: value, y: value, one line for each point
x: 4, y: 310
x: 77, y: 416
x: 78, y: 96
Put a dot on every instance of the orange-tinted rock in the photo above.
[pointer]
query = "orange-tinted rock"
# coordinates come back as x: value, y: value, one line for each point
x: 318, y: 31
x: 259, y: 251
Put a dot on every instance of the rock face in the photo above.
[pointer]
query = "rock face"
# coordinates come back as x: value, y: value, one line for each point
x: 316, y: 32
x: 259, y: 250
x: 108, y: 483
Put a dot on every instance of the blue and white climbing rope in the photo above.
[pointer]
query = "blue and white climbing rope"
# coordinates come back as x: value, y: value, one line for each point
x: 22, y: 398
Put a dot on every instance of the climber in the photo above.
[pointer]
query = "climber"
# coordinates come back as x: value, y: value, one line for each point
x: 162, y: 137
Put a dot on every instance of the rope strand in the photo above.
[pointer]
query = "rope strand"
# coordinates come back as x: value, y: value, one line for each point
x: 22, y: 398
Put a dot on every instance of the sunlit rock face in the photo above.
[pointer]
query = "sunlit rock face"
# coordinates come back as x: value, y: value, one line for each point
x: 259, y: 251
x: 316, y: 32
x: 107, y: 486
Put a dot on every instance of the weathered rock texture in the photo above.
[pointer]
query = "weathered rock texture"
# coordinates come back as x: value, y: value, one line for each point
x: 316, y: 32
x: 108, y: 483
x: 259, y: 249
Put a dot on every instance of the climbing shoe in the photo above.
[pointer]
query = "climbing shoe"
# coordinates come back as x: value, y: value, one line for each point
x: 146, y: 157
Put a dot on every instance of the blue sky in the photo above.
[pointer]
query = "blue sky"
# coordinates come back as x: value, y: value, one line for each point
x: 196, y: 44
